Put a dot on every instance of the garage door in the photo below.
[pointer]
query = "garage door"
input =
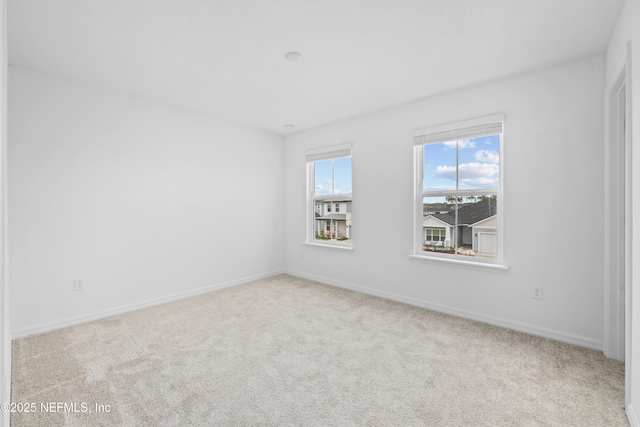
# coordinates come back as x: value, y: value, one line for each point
x: 487, y: 243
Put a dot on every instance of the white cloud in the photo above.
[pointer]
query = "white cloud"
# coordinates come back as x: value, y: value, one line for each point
x: 466, y: 143
x: 448, y: 172
x: 477, y: 170
x: 330, y: 183
x: 470, y: 173
x: 482, y: 182
x: 487, y: 156
x: 320, y: 190
x: 463, y: 143
x: 440, y: 187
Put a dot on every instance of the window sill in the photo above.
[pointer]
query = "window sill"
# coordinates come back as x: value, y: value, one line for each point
x: 329, y: 245
x: 497, y: 268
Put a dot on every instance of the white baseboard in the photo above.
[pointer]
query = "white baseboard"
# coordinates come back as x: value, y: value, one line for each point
x: 631, y: 416
x: 496, y: 321
x: 505, y: 323
x: 59, y: 324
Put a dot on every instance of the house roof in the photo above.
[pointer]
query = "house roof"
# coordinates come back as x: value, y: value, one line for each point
x: 335, y: 199
x: 482, y: 221
x: 431, y: 208
x: 335, y: 217
x: 470, y: 213
x: 436, y: 219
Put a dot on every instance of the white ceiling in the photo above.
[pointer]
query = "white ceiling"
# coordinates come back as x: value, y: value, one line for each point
x: 225, y: 58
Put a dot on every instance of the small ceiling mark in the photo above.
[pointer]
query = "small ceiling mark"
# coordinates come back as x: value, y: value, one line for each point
x: 293, y: 56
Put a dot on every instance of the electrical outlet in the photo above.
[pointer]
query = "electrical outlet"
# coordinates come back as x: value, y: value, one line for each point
x: 537, y: 292
x: 78, y: 284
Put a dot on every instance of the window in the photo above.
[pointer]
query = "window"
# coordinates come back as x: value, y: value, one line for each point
x: 459, y: 190
x: 329, y: 181
x: 435, y: 234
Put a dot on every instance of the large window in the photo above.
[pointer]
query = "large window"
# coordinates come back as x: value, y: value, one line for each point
x: 329, y: 183
x: 459, y: 190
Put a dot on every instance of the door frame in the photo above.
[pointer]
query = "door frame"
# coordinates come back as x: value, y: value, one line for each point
x: 617, y: 215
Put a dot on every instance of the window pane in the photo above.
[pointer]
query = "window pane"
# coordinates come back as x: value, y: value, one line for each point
x: 477, y: 166
x: 323, y: 221
x: 465, y: 226
x: 478, y: 222
x: 342, y: 176
x: 479, y: 162
x: 323, y: 178
x: 438, y: 224
x: 333, y: 226
x: 439, y: 167
x: 332, y: 216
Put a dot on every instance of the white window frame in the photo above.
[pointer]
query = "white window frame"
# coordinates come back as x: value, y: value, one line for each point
x: 472, y: 128
x: 312, y: 156
x: 442, y: 232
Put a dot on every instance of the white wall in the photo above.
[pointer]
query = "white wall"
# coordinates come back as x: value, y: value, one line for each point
x: 5, y: 333
x: 553, y: 179
x: 142, y: 200
x: 628, y: 29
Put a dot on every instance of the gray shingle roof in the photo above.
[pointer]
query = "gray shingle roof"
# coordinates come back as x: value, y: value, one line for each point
x: 470, y: 213
x: 335, y: 217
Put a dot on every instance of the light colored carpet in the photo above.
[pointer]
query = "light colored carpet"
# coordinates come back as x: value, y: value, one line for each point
x: 288, y: 351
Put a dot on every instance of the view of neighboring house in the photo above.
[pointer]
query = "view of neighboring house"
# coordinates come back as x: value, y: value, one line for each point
x: 333, y: 219
x: 476, y: 230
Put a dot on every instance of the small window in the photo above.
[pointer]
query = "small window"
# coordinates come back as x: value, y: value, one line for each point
x: 329, y: 178
x: 435, y: 234
x: 459, y: 190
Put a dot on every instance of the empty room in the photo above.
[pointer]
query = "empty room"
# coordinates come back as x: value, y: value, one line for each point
x: 181, y: 181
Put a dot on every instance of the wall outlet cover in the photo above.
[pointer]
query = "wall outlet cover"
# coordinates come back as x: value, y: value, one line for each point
x: 78, y: 284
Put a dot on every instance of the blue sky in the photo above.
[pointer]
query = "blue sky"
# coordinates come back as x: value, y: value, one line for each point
x: 478, y: 164
x: 341, y: 181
